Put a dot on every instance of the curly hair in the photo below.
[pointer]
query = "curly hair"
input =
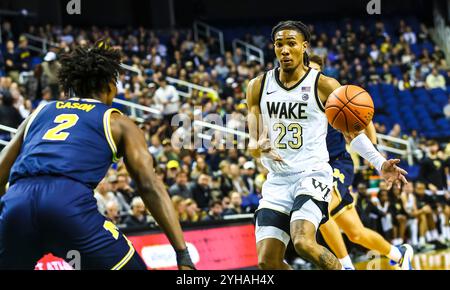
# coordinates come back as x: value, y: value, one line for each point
x: 89, y: 71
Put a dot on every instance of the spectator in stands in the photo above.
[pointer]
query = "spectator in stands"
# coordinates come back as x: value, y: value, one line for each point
x: 396, y: 131
x: 103, y: 195
x: 11, y: 57
x: 226, y: 201
x: 432, y: 170
x: 410, y: 36
x: 7, y: 33
x: 194, y: 213
x: 180, y: 207
x: 410, y: 205
x: 201, y: 191
x: 167, y: 99
x: 238, y: 182
x: 215, y: 211
x: 168, y: 153
x: 200, y: 167
x: 447, y: 110
x: 248, y: 175
x: 385, y: 216
x: 46, y: 96
x: 238, y: 56
x: 235, y: 206
x: 367, y: 208
x: 226, y: 183
x: 320, y: 49
x: 427, y: 226
x: 9, y: 115
x: 173, y: 168
x: 406, y: 83
x: 181, y: 187
x: 399, y: 215
x: 221, y: 69
x: 50, y: 67
x: 24, y: 54
x: 155, y: 148
x: 138, y: 216
x: 435, y: 80
x: 124, y: 192
x: 112, y: 211
x: 432, y: 173
x: 35, y: 84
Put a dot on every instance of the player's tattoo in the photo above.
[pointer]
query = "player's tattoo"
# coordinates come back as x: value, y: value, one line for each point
x: 315, y: 253
x: 328, y: 261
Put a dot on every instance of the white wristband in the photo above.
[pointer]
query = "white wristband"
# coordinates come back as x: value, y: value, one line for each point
x: 364, y: 147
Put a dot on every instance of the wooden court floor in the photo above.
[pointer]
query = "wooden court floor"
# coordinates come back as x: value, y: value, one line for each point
x: 434, y: 260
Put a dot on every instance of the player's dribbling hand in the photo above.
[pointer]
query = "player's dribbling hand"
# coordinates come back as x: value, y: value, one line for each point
x: 265, y: 146
x: 392, y: 173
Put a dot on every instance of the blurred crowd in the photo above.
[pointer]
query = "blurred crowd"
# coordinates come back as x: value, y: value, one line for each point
x: 209, y: 184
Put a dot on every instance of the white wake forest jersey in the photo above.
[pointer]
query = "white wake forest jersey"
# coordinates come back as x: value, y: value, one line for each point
x: 296, y: 121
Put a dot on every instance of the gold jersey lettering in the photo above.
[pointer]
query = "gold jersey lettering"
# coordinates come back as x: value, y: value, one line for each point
x: 76, y: 106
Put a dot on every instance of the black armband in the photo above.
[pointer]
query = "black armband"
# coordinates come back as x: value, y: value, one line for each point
x: 184, y: 259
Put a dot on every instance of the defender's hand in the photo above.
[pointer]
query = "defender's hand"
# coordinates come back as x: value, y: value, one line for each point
x: 392, y: 173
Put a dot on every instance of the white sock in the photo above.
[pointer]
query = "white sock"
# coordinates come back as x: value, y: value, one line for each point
x: 414, y: 232
x: 400, y: 241
x: 428, y: 236
x: 422, y: 240
x: 434, y: 235
x: 443, y: 225
x: 395, y: 254
x: 447, y: 230
x: 347, y: 262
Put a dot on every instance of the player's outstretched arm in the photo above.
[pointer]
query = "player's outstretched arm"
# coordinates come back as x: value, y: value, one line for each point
x: 9, y: 155
x: 258, y: 144
x: 132, y: 146
x: 360, y: 142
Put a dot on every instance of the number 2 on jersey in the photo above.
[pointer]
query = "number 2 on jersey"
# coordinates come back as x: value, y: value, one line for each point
x: 65, y: 121
x: 296, y: 130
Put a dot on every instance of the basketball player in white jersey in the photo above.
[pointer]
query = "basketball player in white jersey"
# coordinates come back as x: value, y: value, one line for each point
x: 286, y: 104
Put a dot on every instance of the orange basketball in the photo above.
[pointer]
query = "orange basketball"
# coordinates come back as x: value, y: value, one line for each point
x: 349, y: 109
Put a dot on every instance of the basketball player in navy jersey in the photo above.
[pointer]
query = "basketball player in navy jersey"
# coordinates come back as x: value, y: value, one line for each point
x: 342, y: 210
x: 59, y: 155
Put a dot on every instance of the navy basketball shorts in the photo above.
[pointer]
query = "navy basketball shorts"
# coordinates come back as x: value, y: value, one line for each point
x: 57, y: 215
x: 342, y: 179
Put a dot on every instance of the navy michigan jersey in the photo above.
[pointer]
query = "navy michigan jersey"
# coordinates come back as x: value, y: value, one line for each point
x: 67, y: 138
x: 342, y: 165
x: 50, y: 205
x: 335, y: 143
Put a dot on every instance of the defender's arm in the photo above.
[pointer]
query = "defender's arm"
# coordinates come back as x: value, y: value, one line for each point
x: 9, y: 155
x: 132, y: 146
